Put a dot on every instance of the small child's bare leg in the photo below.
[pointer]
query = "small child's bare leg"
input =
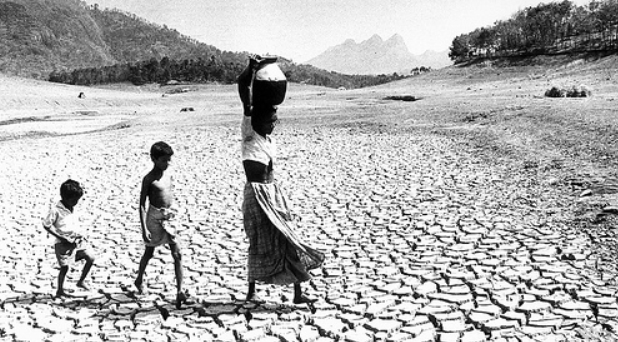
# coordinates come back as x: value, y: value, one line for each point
x: 61, y: 276
x: 89, y: 262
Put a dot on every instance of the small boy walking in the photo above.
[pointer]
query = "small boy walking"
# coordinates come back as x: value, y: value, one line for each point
x: 158, y: 188
x: 64, y: 225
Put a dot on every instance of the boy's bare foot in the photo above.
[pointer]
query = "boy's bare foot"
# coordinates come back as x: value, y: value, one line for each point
x: 181, y: 297
x: 139, y: 287
x: 83, y: 285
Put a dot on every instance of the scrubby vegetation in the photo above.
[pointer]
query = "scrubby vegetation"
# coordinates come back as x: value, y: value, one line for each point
x: 552, y: 28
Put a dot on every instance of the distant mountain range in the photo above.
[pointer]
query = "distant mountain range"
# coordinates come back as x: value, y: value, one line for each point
x: 376, y: 56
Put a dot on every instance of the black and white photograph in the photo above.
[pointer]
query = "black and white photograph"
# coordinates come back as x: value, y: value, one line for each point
x: 309, y: 171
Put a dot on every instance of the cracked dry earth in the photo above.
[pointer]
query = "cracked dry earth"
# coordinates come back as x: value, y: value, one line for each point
x: 424, y: 242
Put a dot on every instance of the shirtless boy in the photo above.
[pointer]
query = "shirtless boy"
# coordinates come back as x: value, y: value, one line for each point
x: 158, y: 188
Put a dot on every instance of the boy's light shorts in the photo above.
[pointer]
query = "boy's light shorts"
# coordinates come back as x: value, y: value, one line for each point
x: 65, y: 252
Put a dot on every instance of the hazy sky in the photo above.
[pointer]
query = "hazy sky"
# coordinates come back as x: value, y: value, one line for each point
x: 302, y: 29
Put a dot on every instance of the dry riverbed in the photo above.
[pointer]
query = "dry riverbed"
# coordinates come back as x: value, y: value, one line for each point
x: 467, y: 215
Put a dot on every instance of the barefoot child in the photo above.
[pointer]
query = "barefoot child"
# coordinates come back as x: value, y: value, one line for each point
x: 158, y: 188
x: 63, y: 223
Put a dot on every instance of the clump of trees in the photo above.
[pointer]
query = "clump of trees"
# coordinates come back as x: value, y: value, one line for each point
x: 152, y: 71
x: 209, y: 70
x: 420, y: 70
x: 575, y: 91
x: 407, y: 98
x: 307, y: 74
x: 552, y: 28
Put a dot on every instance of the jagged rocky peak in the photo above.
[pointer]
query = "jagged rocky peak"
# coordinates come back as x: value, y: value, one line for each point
x: 375, y: 40
x: 396, y: 39
x: 371, y: 56
x: 376, y: 56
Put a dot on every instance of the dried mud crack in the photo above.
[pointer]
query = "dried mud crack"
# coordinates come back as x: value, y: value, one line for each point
x: 425, y: 240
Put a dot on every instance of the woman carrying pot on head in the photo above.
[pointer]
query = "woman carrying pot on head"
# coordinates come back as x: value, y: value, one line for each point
x: 276, y: 253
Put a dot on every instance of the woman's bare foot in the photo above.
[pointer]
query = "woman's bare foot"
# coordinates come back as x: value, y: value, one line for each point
x: 250, y: 292
x: 254, y: 299
x: 304, y: 300
x: 83, y: 285
x: 61, y: 294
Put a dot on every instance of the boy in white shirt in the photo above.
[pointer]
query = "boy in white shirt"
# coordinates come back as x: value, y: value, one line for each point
x: 62, y: 223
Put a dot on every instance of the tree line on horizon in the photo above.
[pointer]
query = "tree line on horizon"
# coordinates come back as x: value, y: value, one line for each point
x: 152, y: 71
x: 208, y: 71
x: 551, y: 28
x: 172, y: 56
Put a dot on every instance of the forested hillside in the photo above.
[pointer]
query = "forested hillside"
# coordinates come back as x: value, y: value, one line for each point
x: 37, y: 37
x: 145, y: 52
x: 70, y: 42
x: 131, y: 39
x: 552, y: 28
